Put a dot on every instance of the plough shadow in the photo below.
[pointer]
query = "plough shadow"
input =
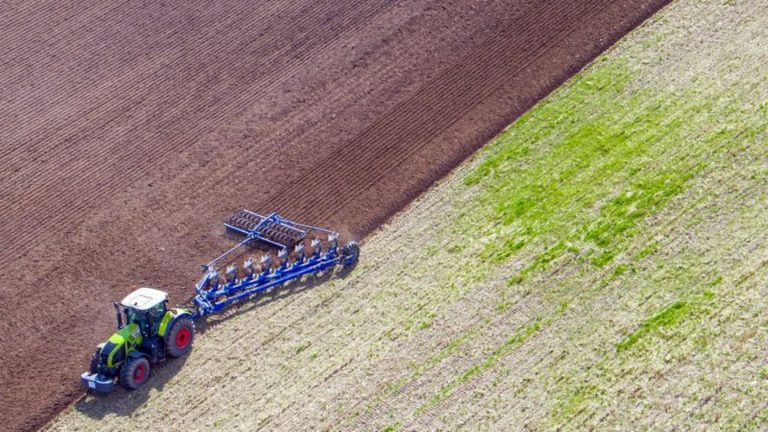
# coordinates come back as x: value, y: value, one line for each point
x: 263, y: 299
x: 122, y: 402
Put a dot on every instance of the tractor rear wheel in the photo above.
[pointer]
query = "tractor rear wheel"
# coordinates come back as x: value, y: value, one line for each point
x: 179, y: 341
x: 134, y: 373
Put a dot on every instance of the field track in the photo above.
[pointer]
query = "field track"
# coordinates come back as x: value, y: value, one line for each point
x: 129, y: 132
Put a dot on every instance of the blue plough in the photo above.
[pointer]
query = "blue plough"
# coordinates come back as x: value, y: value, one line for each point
x: 213, y: 294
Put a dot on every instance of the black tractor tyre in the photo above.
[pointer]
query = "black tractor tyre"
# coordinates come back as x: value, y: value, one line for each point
x: 351, y: 252
x: 180, y: 338
x: 95, y: 360
x: 134, y: 373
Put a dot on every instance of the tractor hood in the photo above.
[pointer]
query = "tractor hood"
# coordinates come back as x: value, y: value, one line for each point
x: 130, y: 333
x: 112, y: 355
x: 116, y: 350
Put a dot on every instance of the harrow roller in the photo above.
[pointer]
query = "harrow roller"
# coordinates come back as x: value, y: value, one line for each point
x: 271, y: 229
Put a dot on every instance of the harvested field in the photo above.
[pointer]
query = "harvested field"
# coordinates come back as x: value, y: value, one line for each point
x: 129, y: 131
x: 602, y: 265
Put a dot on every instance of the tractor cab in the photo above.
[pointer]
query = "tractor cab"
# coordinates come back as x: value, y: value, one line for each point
x: 144, y: 307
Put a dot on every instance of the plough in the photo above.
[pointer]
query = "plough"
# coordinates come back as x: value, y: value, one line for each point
x: 213, y: 295
x: 149, y: 332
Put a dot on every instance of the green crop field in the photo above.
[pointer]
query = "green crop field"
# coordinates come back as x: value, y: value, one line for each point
x: 602, y: 264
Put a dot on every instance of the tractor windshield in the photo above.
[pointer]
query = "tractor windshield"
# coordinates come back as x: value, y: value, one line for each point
x: 134, y: 316
x: 131, y: 315
x: 148, y: 320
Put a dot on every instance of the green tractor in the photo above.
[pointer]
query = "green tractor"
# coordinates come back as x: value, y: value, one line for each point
x: 147, y: 332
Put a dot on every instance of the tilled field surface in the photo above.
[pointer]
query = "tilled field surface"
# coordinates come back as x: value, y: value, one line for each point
x: 129, y: 131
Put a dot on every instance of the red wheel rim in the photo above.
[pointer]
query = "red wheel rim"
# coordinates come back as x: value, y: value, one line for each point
x: 182, y: 338
x: 139, y: 373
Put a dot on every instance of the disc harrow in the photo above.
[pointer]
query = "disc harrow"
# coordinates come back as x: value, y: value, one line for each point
x: 273, y: 229
x: 287, y: 259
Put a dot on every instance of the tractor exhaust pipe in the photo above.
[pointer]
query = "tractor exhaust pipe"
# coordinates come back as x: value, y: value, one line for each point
x: 118, y: 316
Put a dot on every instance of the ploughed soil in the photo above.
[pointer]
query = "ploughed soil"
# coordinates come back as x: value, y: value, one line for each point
x: 130, y: 131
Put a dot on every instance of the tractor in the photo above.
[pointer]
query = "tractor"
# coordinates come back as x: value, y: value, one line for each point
x: 148, y: 332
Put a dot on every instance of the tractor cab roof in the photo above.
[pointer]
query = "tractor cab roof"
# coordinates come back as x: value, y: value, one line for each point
x: 144, y: 298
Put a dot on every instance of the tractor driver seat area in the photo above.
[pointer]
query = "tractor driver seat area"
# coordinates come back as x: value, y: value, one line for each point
x: 148, y: 320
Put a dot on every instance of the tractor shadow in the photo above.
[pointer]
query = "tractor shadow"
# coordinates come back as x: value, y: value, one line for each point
x: 122, y: 402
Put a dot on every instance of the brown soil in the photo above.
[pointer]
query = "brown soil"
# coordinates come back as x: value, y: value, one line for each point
x: 128, y: 132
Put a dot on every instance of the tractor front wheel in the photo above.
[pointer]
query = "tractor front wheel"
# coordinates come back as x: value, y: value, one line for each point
x: 95, y: 360
x: 180, y: 337
x: 135, y: 373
